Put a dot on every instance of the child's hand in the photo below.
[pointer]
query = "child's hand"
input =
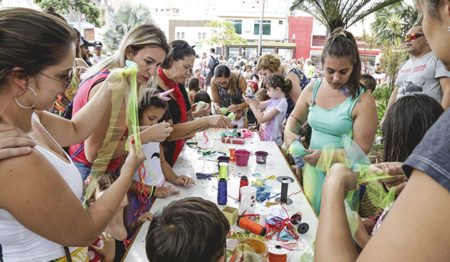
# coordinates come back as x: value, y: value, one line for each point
x: 165, y: 191
x: 108, y: 249
x: 204, y: 110
x: 217, y: 109
x: 144, y: 217
x: 134, y: 160
x: 183, y: 181
x: 156, y: 133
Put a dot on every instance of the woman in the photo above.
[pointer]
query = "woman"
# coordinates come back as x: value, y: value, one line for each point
x: 172, y: 74
x: 146, y: 46
x: 224, y: 86
x: 41, y: 210
x: 417, y: 221
x: 335, y: 106
x: 269, y: 64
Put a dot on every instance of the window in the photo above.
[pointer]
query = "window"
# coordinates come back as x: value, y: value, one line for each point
x: 237, y: 24
x: 182, y: 35
x: 204, y: 35
x: 178, y: 35
x: 199, y: 35
x: 265, y: 28
x: 280, y: 22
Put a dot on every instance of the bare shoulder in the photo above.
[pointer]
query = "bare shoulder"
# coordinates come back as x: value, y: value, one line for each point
x: 19, y: 179
x: 366, y: 98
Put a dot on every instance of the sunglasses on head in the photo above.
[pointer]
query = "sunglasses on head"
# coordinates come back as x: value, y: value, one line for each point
x: 413, y: 36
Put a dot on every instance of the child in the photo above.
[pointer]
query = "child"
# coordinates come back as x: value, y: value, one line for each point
x: 201, y: 79
x: 368, y: 82
x: 239, y: 120
x: 275, y: 112
x: 188, y: 230
x: 261, y: 95
x: 194, y: 87
x: 201, y: 110
x: 155, y: 170
x: 113, y: 242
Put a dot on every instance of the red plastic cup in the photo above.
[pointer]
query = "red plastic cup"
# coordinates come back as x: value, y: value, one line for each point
x: 242, y: 157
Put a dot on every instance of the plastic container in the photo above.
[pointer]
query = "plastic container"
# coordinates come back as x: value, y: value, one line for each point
x: 241, y: 157
x: 221, y: 159
x: 261, y: 157
x: 232, y: 156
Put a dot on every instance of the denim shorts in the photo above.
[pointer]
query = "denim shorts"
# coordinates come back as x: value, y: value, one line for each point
x: 84, y: 169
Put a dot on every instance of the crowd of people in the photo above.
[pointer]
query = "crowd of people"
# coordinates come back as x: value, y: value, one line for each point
x: 76, y: 183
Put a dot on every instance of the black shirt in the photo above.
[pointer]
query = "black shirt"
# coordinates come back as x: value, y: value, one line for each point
x: 174, y: 113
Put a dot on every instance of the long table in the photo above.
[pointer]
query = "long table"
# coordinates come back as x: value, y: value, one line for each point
x: 189, y: 163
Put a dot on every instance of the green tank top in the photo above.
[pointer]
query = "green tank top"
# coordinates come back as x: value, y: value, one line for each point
x: 329, y: 125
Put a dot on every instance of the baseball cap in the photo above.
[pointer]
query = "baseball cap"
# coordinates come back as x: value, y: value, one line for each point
x: 85, y: 42
x: 98, y: 43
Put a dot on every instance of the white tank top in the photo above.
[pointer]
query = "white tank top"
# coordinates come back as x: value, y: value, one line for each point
x: 19, y: 243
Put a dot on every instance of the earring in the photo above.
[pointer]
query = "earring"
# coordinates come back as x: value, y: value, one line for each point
x: 27, y: 107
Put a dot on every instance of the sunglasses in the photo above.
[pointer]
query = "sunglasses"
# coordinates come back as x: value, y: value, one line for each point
x: 413, y: 36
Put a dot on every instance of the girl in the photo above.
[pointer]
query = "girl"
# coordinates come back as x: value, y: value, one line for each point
x: 111, y: 245
x: 194, y: 87
x: 277, y: 89
x: 155, y: 170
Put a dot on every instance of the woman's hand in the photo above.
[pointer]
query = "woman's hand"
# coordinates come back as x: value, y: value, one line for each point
x: 134, y: 160
x: 217, y: 109
x: 13, y: 142
x: 156, y: 133
x: 289, y: 138
x: 108, y: 248
x: 183, y: 181
x: 165, y: 191
x: 342, y: 178
x: 144, y: 217
x: 391, y: 168
x: 218, y: 121
x: 203, y: 110
x: 234, y: 108
x: 313, y: 157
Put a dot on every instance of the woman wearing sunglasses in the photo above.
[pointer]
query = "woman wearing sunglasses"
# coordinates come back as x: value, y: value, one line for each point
x: 40, y: 192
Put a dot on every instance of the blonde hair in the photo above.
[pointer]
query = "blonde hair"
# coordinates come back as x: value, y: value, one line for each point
x: 269, y: 62
x: 141, y: 36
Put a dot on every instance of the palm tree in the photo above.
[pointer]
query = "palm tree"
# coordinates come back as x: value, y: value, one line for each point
x: 123, y: 21
x: 340, y: 13
x: 394, y: 21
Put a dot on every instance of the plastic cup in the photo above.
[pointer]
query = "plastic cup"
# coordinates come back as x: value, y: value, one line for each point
x: 242, y: 157
x: 261, y: 157
x: 221, y: 159
x: 223, y: 170
x: 248, y: 199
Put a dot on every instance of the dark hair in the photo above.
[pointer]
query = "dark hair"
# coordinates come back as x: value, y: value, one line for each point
x: 305, y: 131
x: 150, y: 99
x: 235, y: 100
x: 342, y: 44
x: 194, y: 84
x: 275, y: 81
x: 406, y: 122
x: 180, y: 50
x: 202, y: 96
x: 222, y: 71
x: 263, y: 94
x: 368, y: 82
x: 104, y: 182
x: 188, y: 230
x: 213, y: 50
x: 32, y: 40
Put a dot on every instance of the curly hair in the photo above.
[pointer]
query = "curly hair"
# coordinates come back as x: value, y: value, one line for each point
x: 269, y: 62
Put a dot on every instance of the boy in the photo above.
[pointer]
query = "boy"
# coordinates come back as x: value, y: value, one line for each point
x: 188, y: 230
x: 369, y: 82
